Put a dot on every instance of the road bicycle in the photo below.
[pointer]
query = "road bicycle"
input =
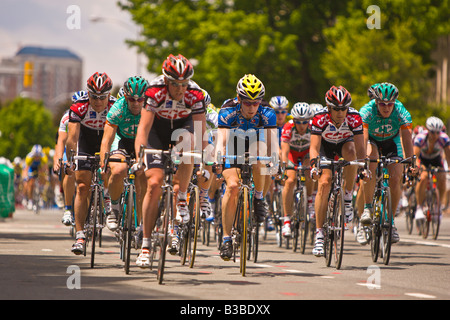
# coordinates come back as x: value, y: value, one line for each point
x: 95, y: 214
x: 383, y: 217
x: 245, y: 230
x: 128, y: 219
x: 166, y: 216
x: 335, y: 222
x: 433, y: 213
x: 301, y: 224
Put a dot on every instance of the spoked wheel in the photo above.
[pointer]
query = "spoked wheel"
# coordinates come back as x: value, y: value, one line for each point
x: 386, y: 227
x: 339, y: 229
x: 168, y: 210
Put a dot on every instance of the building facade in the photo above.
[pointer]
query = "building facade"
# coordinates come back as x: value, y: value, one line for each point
x: 47, y: 74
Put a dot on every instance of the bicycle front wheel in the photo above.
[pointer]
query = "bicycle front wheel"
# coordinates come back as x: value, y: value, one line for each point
x: 194, y: 225
x: 386, y: 226
x: 339, y: 228
x: 129, y: 227
x: 94, y: 212
x: 244, y: 212
x: 167, y: 217
x: 301, y: 227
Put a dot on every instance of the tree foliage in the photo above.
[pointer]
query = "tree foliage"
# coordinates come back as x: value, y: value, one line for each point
x: 297, y: 48
x: 25, y: 122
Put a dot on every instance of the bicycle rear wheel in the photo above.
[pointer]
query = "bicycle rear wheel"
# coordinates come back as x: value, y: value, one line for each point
x: 167, y: 217
x: 386, y: 226
x: 435, y: 215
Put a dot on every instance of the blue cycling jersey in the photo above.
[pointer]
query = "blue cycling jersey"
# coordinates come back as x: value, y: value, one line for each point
x: 230, y: 117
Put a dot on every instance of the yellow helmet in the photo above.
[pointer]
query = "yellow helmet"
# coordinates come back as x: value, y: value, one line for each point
x: 250, y: 87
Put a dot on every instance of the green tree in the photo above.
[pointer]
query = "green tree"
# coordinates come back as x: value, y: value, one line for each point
x: 279, y: 41
x: 25, y: 122
x: 399, y: 52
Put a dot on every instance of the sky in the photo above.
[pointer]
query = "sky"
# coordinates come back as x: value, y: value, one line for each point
x: 67, y: 24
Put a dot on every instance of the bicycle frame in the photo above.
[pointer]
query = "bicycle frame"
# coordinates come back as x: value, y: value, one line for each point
x: 335, y: 224
x: 94, y: 219
x: 244, y: 211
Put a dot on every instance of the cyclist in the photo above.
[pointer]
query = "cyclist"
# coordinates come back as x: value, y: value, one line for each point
x: 244, y: 116
x: 68, y: 181
x: 280, y: 104
x: 87, y: 118
x: 35, y: 167
x: 429, y: 147
x: 209, y: 185
x: 118, y: 137
x: 336, y: 131
x: 174, y: 101
x: 387, y: 127
x: 295, y: 142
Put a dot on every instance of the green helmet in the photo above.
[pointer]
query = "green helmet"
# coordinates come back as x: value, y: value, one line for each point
x: 135, y: 86
x: 386, y: 92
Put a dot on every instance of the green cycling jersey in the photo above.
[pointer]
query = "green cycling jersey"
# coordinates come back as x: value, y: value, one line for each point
x: 380, y: 128
x: 126, y: 123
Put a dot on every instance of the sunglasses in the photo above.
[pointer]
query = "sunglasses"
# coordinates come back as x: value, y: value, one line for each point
x: 386, y: 104
x: 280, y: 111
x: 339, y: 108
x: 301, y: 122
x: 251, y: 102
x: 131, y: 99
x: 435, y: 132
x: 179, y: 84
x: 98, y: 96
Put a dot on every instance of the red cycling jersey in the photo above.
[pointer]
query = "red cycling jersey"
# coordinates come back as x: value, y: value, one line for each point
x: 322, y: 125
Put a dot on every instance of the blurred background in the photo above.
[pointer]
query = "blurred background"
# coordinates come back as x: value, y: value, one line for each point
x: 297, y: 48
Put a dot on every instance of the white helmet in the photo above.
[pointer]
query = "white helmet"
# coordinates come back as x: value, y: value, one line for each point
x: 301, y: 111
x: 316, y: 107
x: 434, y: 124
x: 279, y: 102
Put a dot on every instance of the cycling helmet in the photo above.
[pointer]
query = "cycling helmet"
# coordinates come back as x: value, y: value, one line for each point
x: 279, y: 102
x: 135, y: 86
x: 301, y: 111
x: 99, y: 83
x: 177, y: 68
x: 371, y: 92
x: 77, y: 95
x: 207, y: 98
x: 250, y: 87
x: 120, y: 94
x: 316, y: 107
x: 36, y: 150
x: 338, y: 97
x: 434, y: 124
x: 386, y: 92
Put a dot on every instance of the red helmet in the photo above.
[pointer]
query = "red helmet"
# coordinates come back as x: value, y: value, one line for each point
x: 99, y: 83
x: 177, y: 68
x: 338, y: 97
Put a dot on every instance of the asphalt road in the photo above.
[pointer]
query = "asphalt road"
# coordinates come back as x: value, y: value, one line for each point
x: 36, y: 263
